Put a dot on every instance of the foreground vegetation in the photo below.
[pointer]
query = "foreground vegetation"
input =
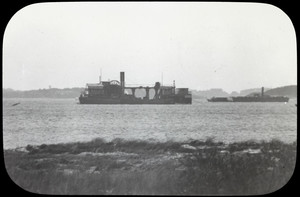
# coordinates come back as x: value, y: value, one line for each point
x: 142, y: 167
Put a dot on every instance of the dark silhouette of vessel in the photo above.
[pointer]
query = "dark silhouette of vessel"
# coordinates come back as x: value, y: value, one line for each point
x: 15, y: 104
x: 114, y: 92
x: 253, y: 98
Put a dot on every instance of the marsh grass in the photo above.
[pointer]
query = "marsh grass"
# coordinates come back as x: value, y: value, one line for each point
x: 209, y: 172
x: 143, y: 167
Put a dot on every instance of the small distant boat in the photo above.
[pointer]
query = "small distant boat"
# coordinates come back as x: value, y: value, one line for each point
x: 253, y: 98
x: 15, y: 104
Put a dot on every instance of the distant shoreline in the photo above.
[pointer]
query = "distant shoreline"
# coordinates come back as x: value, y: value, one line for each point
x: 289, y: 91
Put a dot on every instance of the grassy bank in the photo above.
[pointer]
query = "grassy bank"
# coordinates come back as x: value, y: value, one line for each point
x: 142, y: 167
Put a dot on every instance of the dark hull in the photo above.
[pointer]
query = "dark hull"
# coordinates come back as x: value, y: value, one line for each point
x: 260, y: 99
x: 151, y: 101
x: 218, y: 99
x: 183, y: 99
x: 249, y: 99
x: 91, y: 100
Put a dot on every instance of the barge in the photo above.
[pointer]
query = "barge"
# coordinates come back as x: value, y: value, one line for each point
x: 253, y: 98
x: 115, y: 92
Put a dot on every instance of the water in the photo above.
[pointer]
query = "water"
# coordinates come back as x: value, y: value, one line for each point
x: 46, y: 121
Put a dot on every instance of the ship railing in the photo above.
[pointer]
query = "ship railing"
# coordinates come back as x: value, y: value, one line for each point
x: 144, y: 85
x: 138, y: 85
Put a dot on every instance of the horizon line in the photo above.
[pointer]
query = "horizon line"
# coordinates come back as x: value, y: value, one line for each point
x: 49, y: 88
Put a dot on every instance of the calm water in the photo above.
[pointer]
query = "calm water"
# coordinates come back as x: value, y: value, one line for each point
x: 38, y: 121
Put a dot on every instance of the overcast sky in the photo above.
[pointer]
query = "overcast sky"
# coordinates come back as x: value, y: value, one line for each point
x: 232, y: 46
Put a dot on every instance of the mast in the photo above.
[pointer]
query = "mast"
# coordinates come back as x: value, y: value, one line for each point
x: 122, y: 81
x: 100, y: 75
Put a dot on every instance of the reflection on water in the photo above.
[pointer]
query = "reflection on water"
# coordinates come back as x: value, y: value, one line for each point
x: 38, y: 121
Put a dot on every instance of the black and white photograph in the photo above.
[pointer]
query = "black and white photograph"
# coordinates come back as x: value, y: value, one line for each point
x: 149, y: 98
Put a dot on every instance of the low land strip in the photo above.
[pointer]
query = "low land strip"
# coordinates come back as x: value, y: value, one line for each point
x: 142, y: 167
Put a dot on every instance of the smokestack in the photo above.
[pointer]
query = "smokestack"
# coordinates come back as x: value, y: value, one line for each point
x: 122, y: 81
x: 262, y: 91
x: 100, y: 76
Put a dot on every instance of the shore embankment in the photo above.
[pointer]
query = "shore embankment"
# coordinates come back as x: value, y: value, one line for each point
x: 134, y: 167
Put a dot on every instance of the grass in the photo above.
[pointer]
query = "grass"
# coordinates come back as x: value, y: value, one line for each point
x: 142, y: 167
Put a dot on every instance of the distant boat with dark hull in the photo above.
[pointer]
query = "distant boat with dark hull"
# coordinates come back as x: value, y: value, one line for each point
x: 114, y: 92
x: 254, y: 98
x: 218, y: 99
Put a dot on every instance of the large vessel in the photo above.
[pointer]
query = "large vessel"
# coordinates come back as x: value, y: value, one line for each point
x: 115, y: 92
x: 253, y: 98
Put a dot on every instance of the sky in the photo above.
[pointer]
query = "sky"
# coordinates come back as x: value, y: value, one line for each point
x: 233, y: 46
